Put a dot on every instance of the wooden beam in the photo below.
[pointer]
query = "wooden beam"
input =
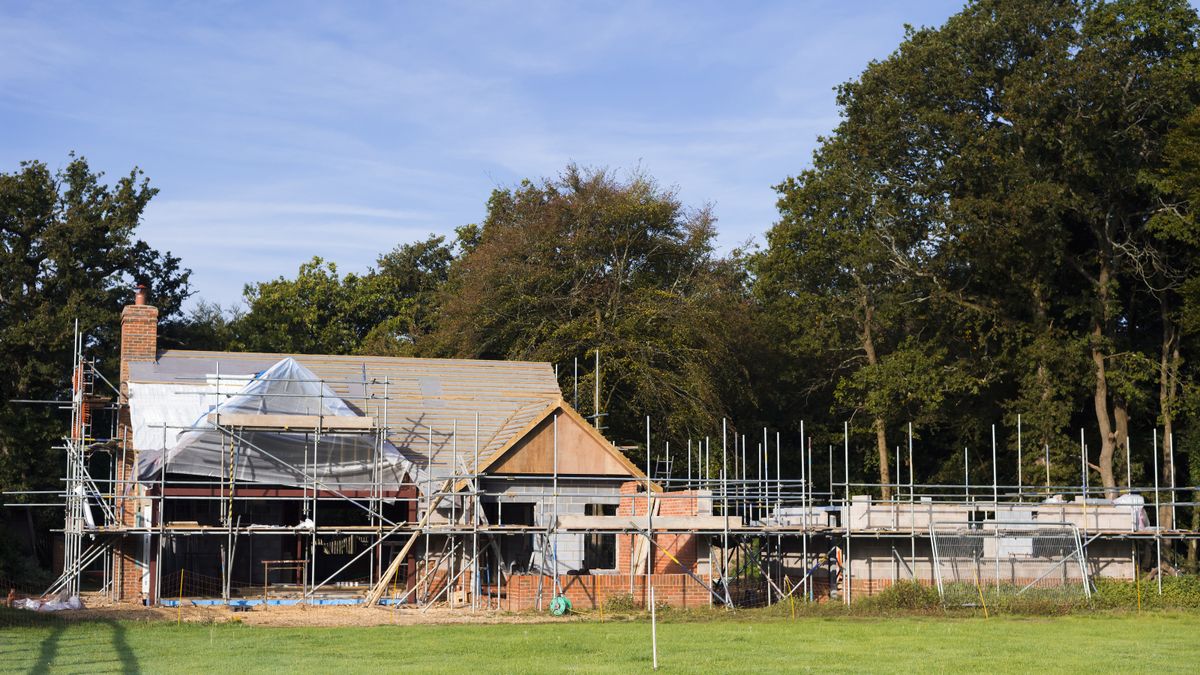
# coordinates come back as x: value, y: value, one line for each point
x: 405, y: 492
x: 380, y: 587
x: 668, y: 524
x: 296, y: 422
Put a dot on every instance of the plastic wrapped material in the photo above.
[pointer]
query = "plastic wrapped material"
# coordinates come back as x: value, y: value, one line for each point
x: 72, y: 602
x: 329, y: 460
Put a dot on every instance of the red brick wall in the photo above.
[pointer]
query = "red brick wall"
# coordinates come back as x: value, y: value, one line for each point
x: 127, y: 577
x: 139, y: 342
x: 684, y: 547
x: 139, y: 338
x: 589, y: 591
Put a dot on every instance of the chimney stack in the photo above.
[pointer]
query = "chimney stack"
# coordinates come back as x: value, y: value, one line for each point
x: 139, y: 342
x: 139, y: 334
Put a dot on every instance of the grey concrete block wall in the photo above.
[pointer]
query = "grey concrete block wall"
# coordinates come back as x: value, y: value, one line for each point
x: 574, y: 496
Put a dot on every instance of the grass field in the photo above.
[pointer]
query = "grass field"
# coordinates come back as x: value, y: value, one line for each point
x: 1163, y: 642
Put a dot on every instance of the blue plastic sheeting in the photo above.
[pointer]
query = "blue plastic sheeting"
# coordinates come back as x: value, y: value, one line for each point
x: 250, y: 602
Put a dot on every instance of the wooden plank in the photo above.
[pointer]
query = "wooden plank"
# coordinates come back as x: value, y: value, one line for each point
x: 642, y: 548
x: 665, y: 523
x: 275, y: 421
x: 381, y: 587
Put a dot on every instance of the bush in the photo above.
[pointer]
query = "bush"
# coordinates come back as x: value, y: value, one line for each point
x: 621, y: 603
x: 903, y: 595
x: 1181, y: 592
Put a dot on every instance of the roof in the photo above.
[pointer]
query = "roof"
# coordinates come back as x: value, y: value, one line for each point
x: 437, y: 411
x: 560, y: 406
x: 278, y: 418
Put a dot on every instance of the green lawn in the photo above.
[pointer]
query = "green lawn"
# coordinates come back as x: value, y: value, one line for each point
x: 1106, y: 643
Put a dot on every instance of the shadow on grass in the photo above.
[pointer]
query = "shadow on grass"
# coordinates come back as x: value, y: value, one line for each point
x: 129, y: 663
x: 50, y: 648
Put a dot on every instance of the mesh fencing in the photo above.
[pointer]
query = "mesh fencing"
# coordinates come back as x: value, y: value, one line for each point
x: 989, y: 561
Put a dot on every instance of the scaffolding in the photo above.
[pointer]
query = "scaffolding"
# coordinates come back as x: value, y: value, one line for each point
x: 439, y: 536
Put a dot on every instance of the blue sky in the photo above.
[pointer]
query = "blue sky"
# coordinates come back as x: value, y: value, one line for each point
x: 281, y: 130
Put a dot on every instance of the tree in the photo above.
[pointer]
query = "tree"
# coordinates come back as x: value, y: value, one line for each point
x: 1000, y: 159
x: 828, y: 279
x: 415, y: 274
x: 68, y: 252
x: 385, y: 311
x: 1166, y: 261
x: 587, y: 261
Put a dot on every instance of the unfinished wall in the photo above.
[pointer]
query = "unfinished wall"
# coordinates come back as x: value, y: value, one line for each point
x: 574, y: 496
x: 590, y: 591
x: 672, y: 553
x: 1093, y: 514
x: 876, y: 564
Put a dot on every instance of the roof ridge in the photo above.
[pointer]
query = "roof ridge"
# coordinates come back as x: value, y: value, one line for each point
x: 201, y: 353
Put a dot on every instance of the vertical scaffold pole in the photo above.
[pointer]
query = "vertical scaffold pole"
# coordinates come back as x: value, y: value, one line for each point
x: 912, y: 507
x: 995, y: 472
x: 1083, y: 468
x: 779, y: 500
x: 1128, y: 467
x: 1047, y: 460
x: 725, y: 506
x: 804, y: 509
x: 846, y: 511
x: 649, y: 524
x: 1020, y: 478
x: 1157, y: 517
x: 1169, y: 439
x: 476, y: 586
x: 557, y: 585
x: 454, y: 515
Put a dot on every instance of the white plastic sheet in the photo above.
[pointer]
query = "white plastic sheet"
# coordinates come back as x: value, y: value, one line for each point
x: 338, y: 460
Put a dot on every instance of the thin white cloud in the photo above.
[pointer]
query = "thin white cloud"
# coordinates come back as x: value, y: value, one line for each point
x: 278, y: 131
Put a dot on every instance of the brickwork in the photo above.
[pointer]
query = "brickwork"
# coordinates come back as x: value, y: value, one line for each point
x: 139, y: 338
x: 139, y: 342
x: 127, y: 576
x: 589, y: 591
x: 684, y: 549
x: 433, y: 585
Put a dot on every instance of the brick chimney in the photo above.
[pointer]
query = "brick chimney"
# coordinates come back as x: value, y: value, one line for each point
x: 139, y: 342
x: 139, y: 334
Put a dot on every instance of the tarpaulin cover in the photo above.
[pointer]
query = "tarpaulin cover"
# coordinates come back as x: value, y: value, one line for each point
x: 338, y: 461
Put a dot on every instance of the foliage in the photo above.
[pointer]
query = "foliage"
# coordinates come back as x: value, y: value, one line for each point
x: 68, y: 252
x: 903, y: 595
x: 622, y: 602
x: 385, y: 311
x: 562, y: 267
x: 1178, y: 592
x: 998, y: 197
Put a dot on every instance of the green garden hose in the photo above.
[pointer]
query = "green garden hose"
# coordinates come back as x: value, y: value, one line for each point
x: 560, y: 605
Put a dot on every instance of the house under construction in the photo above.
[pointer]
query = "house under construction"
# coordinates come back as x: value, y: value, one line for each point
x: 270, y: 478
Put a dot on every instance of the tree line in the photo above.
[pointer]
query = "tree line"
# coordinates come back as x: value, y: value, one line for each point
x: 1002, y: 224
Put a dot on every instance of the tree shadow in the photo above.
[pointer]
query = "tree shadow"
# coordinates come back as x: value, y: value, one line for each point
x: 129, y: 663
x: 48, y: 649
